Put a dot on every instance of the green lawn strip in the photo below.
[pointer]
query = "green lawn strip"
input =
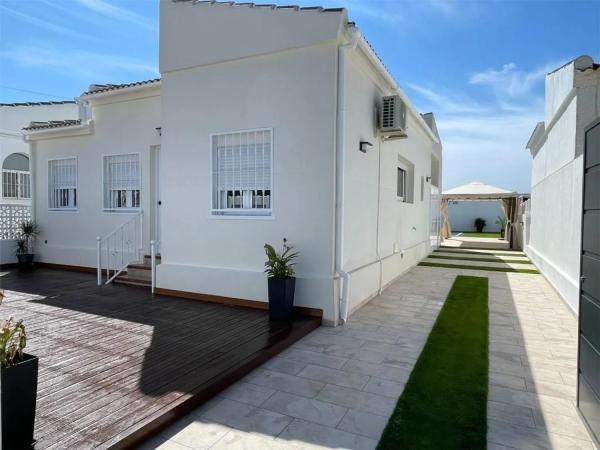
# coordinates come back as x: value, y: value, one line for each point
x: 444, y: 403
x: 480, y: 235
x: 467, y: 258
x: 480, y: 251
x: 491, y: 269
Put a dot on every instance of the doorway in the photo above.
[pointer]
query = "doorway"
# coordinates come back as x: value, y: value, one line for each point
x: 155, y: 202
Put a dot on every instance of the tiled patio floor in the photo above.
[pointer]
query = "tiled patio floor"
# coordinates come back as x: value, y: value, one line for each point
x: 337, y: 387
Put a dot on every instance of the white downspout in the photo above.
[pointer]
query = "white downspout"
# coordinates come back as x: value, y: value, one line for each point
x: 378, y: 214
x: 355, y: 35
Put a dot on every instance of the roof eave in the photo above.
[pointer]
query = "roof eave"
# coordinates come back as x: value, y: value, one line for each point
x: 119, y: 91
x: 65, y: 131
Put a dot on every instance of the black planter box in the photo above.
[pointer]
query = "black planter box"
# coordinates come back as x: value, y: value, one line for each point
x: 281, y: 298
x: 18, y: 396
x: 25, y: 262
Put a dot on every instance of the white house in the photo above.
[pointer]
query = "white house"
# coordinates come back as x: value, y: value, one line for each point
x: 267, y: 122
x: 15, y: 186
x: 557, y: 147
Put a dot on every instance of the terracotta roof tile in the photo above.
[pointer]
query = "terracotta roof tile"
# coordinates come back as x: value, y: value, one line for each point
x: 62, y: 102
x: 265, y: 5
x: 51, y: 124
x: 96, y: 88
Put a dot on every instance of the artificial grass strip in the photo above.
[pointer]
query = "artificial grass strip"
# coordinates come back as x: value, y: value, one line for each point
x: 489, y: 269
x: 444, y: 403
x: 480, y: 251
x: 480, y: 235
x: 467, y: 258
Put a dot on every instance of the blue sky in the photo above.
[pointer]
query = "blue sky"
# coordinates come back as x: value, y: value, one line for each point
x: 478, y: 65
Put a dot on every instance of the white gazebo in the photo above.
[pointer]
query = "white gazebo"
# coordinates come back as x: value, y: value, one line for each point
x: 509, y: 200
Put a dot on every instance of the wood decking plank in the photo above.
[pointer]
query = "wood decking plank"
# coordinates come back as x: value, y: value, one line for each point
x: 117, y: 364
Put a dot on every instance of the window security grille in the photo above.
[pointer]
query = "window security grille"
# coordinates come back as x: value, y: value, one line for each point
x: 62, y: 183
x: 122, y: 181
x: 242, y: 173
x: 15, y: 184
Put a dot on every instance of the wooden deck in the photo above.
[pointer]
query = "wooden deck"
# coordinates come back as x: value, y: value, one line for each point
x: 117, y: 364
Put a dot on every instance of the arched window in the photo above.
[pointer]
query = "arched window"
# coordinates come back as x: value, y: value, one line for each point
x: 15, y: 177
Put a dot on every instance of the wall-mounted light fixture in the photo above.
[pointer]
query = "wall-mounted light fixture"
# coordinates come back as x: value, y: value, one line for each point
x: 159, y: 130
x: 364, y: 146
x: 428, y: 179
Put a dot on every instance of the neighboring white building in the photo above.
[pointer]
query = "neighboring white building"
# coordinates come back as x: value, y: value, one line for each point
x: 264, y: 125
x: 14, y: 151
x: 15, y: 186
x: 557, y: 145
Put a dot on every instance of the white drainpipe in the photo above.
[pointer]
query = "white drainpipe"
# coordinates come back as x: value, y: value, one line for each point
x: 340, y: 165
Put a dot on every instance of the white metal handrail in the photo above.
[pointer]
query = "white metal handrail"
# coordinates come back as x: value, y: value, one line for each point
x: 154, y: 250
x: 118, y: 249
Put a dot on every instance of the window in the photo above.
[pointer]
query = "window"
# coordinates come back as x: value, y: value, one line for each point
x: 242, y: 173
x: 401, y: 188
x: 62, y: 183
x: 122, y: 182
x: 406, y: 180
x: 16, y: 177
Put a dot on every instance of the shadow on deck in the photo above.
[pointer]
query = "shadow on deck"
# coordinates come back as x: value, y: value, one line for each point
x: 118, y: 364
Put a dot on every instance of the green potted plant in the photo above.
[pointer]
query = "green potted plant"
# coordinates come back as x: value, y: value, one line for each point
x: 480, y: 224
x: 27, y: 233
x: 502, y: 222
x: 18, y: 386
x: 281, y: 282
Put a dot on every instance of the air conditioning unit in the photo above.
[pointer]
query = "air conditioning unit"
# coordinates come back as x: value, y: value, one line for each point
x: 392, y: 117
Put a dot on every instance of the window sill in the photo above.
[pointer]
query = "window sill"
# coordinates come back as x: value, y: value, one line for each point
x: 240, y: 217
x: 63, y: 209
x: 121, y: 210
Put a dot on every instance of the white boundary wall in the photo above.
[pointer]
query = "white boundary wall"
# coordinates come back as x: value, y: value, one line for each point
x: 572, y: 102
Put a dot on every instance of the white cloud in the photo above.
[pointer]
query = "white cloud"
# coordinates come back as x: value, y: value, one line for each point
x: 447, y: 7
x: 485, y: 140
x: 446, y: 103
x: 509, y: 81
x: 45, y: 25
x: 386, y: 12
x: 116, y: 12
x: 86, y: 65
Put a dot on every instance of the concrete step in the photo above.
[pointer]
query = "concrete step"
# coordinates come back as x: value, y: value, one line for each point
x: 140, y: 271
x: 132, y: 281
x: 148, y: 259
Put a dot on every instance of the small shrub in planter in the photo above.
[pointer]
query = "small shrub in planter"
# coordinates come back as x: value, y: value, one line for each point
x: 18, y: 387
x: 28, y: 231
x: 282, y: 283
x: 480, y: 224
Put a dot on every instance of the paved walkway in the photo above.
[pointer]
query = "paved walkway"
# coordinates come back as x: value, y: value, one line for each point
x: 337, y: 387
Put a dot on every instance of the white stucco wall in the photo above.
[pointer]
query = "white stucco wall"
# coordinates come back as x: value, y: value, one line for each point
x: 463, y: 215
x: 122, y: 124
x: 557, y: 171
x: 400, y: 237
x: 287, y: 82
x: 291, y: 92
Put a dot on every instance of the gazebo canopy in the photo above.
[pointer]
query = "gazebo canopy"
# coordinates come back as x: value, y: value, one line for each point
x: 477, y: 191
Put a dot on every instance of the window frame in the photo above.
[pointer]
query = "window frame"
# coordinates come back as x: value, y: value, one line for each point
x: 240, y: 213
x: 400, y: 169
x: 122, y: 210
x: 68, y: 208
x: 18, y: 185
